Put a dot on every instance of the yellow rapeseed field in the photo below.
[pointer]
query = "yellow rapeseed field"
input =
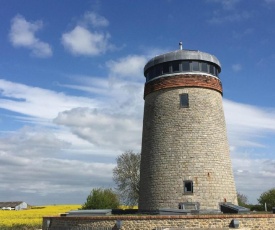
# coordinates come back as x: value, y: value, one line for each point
x: 31, y: 218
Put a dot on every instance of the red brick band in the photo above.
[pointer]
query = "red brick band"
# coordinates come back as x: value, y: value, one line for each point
x: 181, y: 80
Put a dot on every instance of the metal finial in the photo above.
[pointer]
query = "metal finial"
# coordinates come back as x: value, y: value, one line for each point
x: 180, y: 45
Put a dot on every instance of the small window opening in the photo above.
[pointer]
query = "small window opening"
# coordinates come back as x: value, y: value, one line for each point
x: 212, y: 69
x: 188, y: 186
x: 185, y: 66
x: 158, y: 70
x: 150, y: 74
x: 204, y: 67
x: 195, y: 66
x: 176, y: 66
x: 166, y: 68
x: 184, y: 100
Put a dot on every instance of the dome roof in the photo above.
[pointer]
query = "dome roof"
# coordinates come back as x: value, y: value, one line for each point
x: 182, y: 55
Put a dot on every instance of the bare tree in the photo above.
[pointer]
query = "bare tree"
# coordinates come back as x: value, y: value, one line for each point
x: 242, y: 199
x: 126, y: 176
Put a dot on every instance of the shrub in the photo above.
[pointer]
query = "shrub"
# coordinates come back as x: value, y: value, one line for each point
x: 101, y: 199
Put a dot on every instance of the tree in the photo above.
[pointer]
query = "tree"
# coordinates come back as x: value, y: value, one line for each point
x: 242, y: 199
x: 101, y: 199
x: 126, y: 177
x: 268, y: 197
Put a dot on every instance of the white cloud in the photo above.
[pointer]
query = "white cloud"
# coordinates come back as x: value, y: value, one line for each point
x: 94, y: 19
x: 112, y: 131
x: 248, y: 127
x: 93, y: 85
x: 253, y: 175
x: 60, y: 156
x: 22, y: 34
x: 29, y: 142
x: 81, y: 41
x: 246, y: 123
x: 237, y: 67
x: 127, y: 67
x: 37, y: 102
x: 117, y: 125
x: 249, y: 116
x: 35, y: 163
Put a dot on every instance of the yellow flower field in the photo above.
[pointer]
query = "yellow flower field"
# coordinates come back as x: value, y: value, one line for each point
x: 31, y: 218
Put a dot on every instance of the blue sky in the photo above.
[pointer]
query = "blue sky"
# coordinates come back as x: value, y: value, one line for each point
x: 71, y: 87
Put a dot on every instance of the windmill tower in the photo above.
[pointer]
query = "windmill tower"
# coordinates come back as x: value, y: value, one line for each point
x: 185, y: 152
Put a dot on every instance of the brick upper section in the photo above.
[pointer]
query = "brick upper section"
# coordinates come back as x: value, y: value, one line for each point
x: 183, y: 80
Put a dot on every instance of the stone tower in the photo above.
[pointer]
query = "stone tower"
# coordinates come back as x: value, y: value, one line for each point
x: 185, y: 152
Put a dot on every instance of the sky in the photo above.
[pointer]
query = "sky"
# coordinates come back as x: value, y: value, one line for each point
x: 71, y: 88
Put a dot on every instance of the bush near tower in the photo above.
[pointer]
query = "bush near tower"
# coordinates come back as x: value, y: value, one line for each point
x: 101, y: 199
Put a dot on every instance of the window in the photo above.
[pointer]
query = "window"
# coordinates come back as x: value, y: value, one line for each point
x: 212, y: 69
x: 166, y: 68
x: 188, y: 187
x: 184, y: 101
x: 204, y: 67
x: 195, y: 66
x: 176, y: 66
x: 158, y: 70
x: 185, y: 66
x: 181, y: 66
x: 150, y: 74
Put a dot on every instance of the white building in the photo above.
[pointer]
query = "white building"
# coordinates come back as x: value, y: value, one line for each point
x: 13, y: 205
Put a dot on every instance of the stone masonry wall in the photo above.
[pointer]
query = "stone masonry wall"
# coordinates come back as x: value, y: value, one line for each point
x: 180, y: 144
x: 247, y: 221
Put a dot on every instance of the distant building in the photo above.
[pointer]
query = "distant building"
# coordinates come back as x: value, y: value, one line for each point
x: 13, y: 205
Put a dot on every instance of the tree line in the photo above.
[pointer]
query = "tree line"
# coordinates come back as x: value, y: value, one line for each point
x: 266, y: 201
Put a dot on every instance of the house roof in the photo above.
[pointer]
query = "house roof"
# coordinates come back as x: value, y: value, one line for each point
x: 11, y: 204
